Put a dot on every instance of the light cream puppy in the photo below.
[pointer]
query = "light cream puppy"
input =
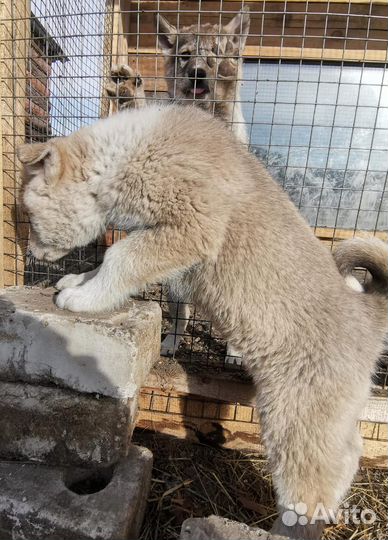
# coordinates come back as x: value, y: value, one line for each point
x: 207, y: 217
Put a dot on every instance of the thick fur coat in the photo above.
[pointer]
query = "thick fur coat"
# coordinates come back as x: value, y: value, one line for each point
x: 205, y: 216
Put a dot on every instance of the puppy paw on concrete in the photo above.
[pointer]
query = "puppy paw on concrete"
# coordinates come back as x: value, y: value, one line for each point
x: 74, y: 299
x: 71, y: 280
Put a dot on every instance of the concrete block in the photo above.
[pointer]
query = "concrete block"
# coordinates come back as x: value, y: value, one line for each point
x: 63, y: 427
x: 217, y: 528
x: 39, y: 502
x: 109, y: 354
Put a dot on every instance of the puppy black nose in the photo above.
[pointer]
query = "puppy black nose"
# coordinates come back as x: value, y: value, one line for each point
x: 197, y: 73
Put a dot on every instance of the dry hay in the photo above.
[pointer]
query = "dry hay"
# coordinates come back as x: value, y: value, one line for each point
x: 193, y: 480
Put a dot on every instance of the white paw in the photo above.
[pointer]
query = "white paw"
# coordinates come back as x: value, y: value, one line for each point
x: 170, y: 345
x: 75, y: 299
x: 71, y: 280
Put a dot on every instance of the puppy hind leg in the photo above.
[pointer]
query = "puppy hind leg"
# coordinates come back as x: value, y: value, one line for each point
x: 307, y: 515
x: 314, y: 454
x: 180, y: 314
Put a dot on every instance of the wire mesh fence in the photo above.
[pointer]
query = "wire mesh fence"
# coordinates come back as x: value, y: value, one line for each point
x: 309, y: 95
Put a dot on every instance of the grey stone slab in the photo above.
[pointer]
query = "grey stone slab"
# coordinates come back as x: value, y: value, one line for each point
x: 43, y: 503
x: 218, y: 528
x: 110, y: 354
x: 63, y: 427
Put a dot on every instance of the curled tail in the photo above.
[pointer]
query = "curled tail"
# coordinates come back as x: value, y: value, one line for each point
x: 371, y: 254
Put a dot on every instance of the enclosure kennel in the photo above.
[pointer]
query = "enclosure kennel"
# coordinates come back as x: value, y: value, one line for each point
x: 314, y: 95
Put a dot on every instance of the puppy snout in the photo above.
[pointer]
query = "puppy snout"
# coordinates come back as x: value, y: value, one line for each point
x: 196, y: 73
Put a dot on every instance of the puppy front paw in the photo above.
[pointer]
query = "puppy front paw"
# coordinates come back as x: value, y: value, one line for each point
x: 74, y: 299
x: 71, y: 280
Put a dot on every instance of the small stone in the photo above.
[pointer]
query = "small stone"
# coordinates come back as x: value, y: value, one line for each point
x: 217, y: 528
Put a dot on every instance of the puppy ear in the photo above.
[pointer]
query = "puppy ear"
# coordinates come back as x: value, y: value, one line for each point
x: 30, y: 154
x: 237, y: 29
x: 41, y: 156
x: 166, y: 32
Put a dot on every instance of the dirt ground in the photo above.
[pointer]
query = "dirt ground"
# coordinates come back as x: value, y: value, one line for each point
x: 194, y: 480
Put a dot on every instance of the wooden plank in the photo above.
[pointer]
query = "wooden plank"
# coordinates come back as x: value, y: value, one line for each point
x: 15, y: 33
x: 227, y: 386
x: 343, y: 234
x: 1, y: 198
x: 365, y: 2
x: 220, y: 409
x: 230, y: 425
x: 221, y: 386
x: 308, y: 53
x: 121, y: 24
x: 226, y: 425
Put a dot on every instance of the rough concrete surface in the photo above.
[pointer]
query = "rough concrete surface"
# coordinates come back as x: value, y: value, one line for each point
x: 36, y: 504
x: 217, y: 528
x: 63, y: 427
x: 110, y: 354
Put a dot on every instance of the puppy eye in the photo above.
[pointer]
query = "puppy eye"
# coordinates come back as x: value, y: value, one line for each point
x: 185, y: 55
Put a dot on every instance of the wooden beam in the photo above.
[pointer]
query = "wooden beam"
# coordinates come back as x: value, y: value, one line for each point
x: 308, y: 53
x: 234, y: 425
x: 383, y: 2
x: 118, y: 55
x: 195, y: 419
x: 365, y: 2
x: 226, y: 386
x: 286, y: 53
x: 1, y: 199
x: 15, y: 39
x: 220, y: 386
x: 219, y: 408
x: 328, y: 233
